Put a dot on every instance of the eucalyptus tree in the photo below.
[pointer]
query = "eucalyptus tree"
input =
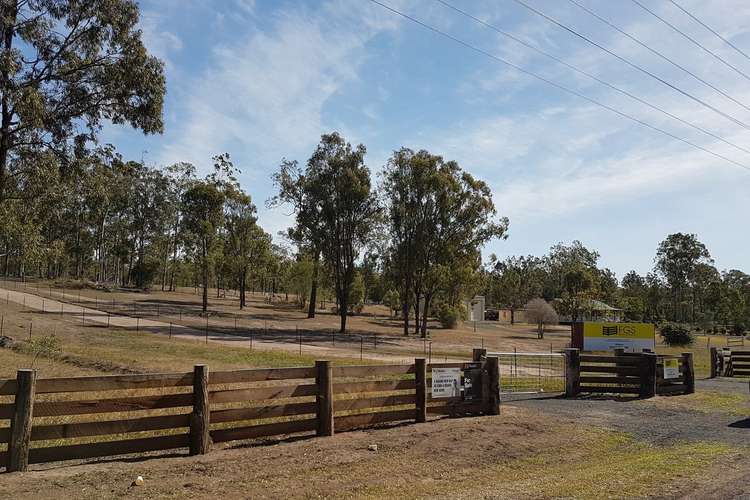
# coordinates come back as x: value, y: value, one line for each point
x: 203, y: 204
x: 677, y: 258
x: 67, y: 66
x: 307, y: 231
x: 337, y: 183
x: 440, y: 217
x: 515, y: 281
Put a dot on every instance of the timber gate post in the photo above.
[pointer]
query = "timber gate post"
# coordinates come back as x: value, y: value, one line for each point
x: 714, y: 362
x: 688, y: 375
x: 492, y: 371
x: 20, y: 426
x: 421, y: 396
x: 200, y: 439
x: 324, y: 397
x: 648, y: 375
x: 572, y: 372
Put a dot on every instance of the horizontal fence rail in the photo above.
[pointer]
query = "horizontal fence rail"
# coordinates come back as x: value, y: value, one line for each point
x: 57, y: 419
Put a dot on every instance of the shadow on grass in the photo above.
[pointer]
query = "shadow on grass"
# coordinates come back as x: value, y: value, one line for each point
x: 741, y: 424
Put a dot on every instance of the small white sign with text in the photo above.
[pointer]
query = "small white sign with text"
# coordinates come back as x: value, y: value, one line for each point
x: 446, y: 382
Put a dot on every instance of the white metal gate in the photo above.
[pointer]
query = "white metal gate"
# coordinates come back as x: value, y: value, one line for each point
x: 531, y: 372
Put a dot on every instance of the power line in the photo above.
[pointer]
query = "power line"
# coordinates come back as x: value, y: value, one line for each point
x: 556, y: 85
x: 695, y: 42
x: 694, y: 18
x: 589, y: 75
x: 657, y: 53
x: 632, y: 64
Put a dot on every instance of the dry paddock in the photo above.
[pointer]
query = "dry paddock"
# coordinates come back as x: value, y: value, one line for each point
x: 584, y: 448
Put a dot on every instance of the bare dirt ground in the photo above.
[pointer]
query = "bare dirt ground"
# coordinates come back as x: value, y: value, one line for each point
x: 677, y: 447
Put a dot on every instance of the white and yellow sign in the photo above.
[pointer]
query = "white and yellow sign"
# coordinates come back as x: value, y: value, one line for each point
x: 632, y: 337
x: 671, y: 368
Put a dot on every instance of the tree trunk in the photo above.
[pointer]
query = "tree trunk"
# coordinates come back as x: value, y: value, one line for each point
x: 343, y: 310
x: 9, y: 13
x: 313, y: 289
x: 427, y: 300
x: 540, y: 332
x: 205, y: 276
x: 243, y: 278
x: 416, y: 313
x: 512, y: 316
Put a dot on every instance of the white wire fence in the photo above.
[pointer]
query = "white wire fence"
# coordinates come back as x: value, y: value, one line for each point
x: 531, y: 372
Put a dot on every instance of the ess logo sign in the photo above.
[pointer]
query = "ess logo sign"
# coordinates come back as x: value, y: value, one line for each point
x: 625, y: 330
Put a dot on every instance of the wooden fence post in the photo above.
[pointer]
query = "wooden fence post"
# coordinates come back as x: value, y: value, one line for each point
x: 493, y: 396
x: 478, y: 354
x: 572, y: 372
x: 421, y: 378
x: 714, y: 362
x: 200, y: 439
x: 648, y: 375
x: 20, y: 426
x: 324, y: 397
x: 689, y: 374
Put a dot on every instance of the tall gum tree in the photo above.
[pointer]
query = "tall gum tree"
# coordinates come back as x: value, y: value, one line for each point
x: 66, y: 67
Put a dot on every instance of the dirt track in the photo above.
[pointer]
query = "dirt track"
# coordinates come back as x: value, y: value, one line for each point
x: 348, y: 346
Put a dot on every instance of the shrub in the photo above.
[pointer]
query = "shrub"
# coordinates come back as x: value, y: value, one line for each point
x: 739, y: 328
x: 449, y: 316
x: 677, y: 335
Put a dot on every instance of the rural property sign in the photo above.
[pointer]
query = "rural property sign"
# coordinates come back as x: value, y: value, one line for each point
x: 632, y: 337
x: 671, y: 368
x: 446, y: 382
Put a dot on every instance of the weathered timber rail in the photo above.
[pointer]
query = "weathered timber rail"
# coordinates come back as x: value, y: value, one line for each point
x: 78, y: 418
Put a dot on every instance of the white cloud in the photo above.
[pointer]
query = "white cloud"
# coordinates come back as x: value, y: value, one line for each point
x: 265, y: 93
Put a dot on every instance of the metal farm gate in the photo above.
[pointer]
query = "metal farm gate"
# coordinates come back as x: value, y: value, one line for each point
x: 531, y: 372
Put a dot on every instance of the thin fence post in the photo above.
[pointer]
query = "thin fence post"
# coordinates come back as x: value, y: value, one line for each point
x: 170, y: 329
x: 688, y: 375
x: 324, y: 397
x: 492, y: 370
x: 572, y: 372
x: 20, y: 426
x: 200, y: 439
x: 648, y: 375
x: 420, y: 371
x: 108, y: 315
x: 2, y: 324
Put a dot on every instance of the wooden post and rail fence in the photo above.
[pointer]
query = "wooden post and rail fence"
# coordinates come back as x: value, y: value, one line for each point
x: 635, y: 374
x: 57, y: 419
x: 730, y: 362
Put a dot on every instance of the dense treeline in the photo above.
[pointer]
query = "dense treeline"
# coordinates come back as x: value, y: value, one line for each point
x: 684, y: 285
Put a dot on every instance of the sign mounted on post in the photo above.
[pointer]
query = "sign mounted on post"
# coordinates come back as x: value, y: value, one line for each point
x: 631, y: 337
x: 446, y: 382
x: 671, y: 368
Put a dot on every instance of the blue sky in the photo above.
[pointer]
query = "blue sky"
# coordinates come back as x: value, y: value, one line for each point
x: 263, y: 79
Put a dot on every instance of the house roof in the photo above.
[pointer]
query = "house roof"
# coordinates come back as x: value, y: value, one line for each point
x: 598, y: 305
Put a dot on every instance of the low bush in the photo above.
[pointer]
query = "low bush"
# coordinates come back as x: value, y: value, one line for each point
x: 449, y: 316
x: 676, y: 335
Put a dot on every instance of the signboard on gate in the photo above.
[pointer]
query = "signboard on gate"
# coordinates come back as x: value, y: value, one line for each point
x: 446, y: 382
x: 671, y: 368
x: 632, y: 337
